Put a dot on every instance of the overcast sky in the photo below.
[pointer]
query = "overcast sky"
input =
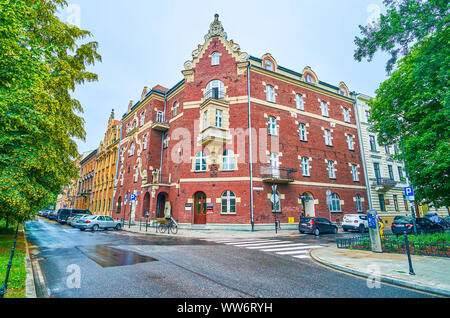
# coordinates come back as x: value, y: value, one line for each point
x: 145, y: 43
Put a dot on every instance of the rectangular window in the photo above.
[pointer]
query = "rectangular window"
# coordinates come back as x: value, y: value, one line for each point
x: 142, y: 118
x: 302, y: 132
x: 299, y: 101
x: 324, y: 107
x: 350, y: 142
x: 387, y: 150
x: 373, y: 144
x: 136, y: 174
x: 346, y: 115
x: 145, y: 141
x: 355, y: 173
x: 270, y: 93
x: 376, y: 168
x: 382, y: 203
x: 395, y: 202
x: 218, y: 118
x: 367, y: 115
x: 391, y: 172
x: 400, y: 173
x: 205, y: 119
x: 328, y: 137
x: 272, y: 125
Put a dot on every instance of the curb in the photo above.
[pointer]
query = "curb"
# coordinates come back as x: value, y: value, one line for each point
x: 30, y: 287
x: 384, y: 279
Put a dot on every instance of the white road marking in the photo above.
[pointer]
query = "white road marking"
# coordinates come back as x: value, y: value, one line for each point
x: 249, y: 242
x: 262, y: 245
x: 284, y: 248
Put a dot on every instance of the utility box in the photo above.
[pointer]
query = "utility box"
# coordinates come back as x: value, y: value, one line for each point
x: 374, y: 232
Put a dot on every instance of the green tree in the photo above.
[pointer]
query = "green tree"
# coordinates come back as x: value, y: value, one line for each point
x: 417, y: 92
x: 41, y: 62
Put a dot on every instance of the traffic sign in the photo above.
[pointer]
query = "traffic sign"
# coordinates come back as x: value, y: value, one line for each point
x: 132, y: 197
x: 409, y: 192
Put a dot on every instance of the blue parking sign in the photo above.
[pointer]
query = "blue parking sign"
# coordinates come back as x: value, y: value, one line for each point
x: 132, y: 197
x: 409, y: 192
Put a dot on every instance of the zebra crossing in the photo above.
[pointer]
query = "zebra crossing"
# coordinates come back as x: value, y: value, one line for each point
x: 279, y: 247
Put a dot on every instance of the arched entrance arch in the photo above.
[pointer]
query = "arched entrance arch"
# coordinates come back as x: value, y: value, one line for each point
x: 160, y: 204
x: 308, y: 204
x: 146, y: 205
x: 199, y: 208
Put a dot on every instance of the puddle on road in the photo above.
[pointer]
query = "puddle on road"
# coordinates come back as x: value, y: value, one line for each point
x: 107, y: 256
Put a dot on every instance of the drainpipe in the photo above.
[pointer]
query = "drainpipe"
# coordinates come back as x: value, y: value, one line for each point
x: 361, y: 146
x: 162, y: 140
x: 117, y: 170
x: 250, y: 147
x: 92, y: 186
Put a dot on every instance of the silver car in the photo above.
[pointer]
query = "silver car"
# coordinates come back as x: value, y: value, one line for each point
x: 96, y: 222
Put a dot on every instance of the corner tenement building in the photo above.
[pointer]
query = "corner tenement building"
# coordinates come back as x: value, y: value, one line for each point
x: 240, y: 130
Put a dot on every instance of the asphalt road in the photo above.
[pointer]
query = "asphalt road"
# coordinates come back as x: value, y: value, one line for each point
x: 105, y: 264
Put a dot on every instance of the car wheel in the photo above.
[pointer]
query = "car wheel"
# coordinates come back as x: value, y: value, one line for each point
x: 361, y: 229
x: 81, y: 230
x: 95, y: 228
x: 345, y: 230
x: 118, y: 227
x: 316, y: 232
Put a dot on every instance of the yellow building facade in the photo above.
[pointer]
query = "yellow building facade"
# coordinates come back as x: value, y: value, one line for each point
x: 86, y: 181
x: 103, y: 189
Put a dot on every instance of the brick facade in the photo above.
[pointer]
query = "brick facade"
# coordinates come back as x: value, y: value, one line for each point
x: 173, y: 141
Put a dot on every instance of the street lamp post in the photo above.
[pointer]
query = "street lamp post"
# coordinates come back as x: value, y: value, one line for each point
x: 404, y: 164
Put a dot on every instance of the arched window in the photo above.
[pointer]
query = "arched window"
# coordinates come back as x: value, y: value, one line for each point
x: 335, y: 203
x: 305, y: 166
x: 268, y: 65
x: 131, y: 152
x: 299, y: 101
x: 215, y: 58
x: 302, y: 132
x: 358, y: 203
x: 228, y: 160
x: 200, y: 161
x: 272, y: 125
x: 343, y: 91
x: 309, y: 78
x: 228, y: 202
x: 215, y: 89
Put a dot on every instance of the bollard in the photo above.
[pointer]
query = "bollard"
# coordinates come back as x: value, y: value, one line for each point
x: 411, y: 270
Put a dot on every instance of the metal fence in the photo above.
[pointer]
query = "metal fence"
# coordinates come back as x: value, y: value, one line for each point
x: 394, y: 244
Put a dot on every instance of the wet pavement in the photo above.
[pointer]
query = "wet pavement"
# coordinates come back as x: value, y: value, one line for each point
x: 70, y: 263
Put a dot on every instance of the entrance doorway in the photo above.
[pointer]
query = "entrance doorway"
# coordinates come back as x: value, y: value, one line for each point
x: 308, y: 204
x: 161, y: 203
x: 200, y: 208
x: 146, y: 205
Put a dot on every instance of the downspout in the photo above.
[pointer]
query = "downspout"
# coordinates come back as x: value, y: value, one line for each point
x: 361, y: 146
x: 117, y: 170
x: 93, y: 182
x: 250, y: 147
x: 162, y: 140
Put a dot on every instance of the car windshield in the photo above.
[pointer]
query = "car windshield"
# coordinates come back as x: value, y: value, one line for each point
x: 404, y: 220
x: 305, y: 220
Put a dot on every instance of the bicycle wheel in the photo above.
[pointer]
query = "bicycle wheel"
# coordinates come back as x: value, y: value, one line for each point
x: 174, y: 229
x: 163, y: 228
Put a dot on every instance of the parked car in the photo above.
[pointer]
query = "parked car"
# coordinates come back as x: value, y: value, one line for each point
x: 41, y: 212
x: 356, y: 222
x: 316, y: 226
x: 52, y: 215
x: 64, y: 214
x: 96, y: 222
x: 402, y: 224
x: 72, y: 219
x: 434, y: 217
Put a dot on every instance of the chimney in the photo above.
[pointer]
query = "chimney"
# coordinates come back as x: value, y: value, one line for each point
x: 130, y: 105
x: 144, y: 92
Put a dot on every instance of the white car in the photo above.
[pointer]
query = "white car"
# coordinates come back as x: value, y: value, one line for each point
x: 357, y: 222
x: 96, y: 222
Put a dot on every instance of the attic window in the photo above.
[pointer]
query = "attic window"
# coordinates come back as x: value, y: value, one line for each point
x: 215, y: 58
x: 343, y: 91
x: 268, y: 65
x: 309, y: 78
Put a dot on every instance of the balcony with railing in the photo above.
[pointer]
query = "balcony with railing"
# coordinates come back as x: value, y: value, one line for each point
x: 215, y: 130
x: 384, y: 184
x: 159, y: 121
x: 271, y: 174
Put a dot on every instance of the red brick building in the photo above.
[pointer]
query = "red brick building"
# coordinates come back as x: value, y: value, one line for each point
x: 190, y: 145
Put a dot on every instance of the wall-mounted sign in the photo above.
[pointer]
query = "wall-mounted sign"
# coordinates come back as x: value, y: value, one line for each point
x: 209, y: 206
x: 188, y: 206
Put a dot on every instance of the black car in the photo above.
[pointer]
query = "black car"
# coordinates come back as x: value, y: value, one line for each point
x: 402, y: 224
x: 316, y: 226
x: 64, y: 214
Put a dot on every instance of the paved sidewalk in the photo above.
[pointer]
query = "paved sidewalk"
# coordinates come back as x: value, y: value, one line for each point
x: 432, y: 274
x: 213, y: 234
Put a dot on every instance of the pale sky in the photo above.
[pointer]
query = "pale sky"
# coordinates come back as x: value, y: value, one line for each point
x: 145, y: 43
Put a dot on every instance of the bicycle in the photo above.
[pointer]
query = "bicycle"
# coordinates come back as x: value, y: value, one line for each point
x: 167, y: 225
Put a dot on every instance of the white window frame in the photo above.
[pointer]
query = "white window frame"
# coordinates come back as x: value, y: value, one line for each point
x: 215, y: 59
x: 355, y: 173
x: 272, y: 126
x: 268, y: 65
x: 131, y: 151
x: 335, y: 205
x: 205, y: 119
x: 142, y: 118
x: 331, y: 171
x: 327, y: 136
x: 227, y: 197
x: 305, y: 167
x: 175, y: 109
x: 299, y: 102
x: 145, y: 141
x: 219, y: 114
x: 350, y: 142
x: 136, y: 174
x: 324, y: 108
x: 358, y: 203
x: 228, y: 163
x: 346, y: 115
x: 270, y: 93
x: 302, y: 132
x: 200, y: 161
